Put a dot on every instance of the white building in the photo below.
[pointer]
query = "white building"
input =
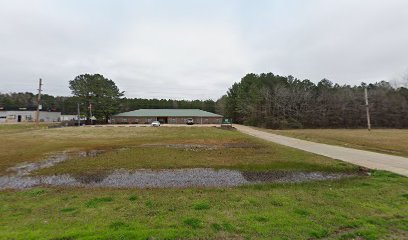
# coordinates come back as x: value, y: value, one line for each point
x: 71, y: 118
x: 28, y: 116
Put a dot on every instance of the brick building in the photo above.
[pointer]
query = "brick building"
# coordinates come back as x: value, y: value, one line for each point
x: 171, y: 116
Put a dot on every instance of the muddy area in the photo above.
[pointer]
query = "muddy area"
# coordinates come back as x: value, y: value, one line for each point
x: 24, y: 169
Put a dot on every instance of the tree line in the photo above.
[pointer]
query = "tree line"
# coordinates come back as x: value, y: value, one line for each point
x: 97, y: 96
x: 273, y: 101
x: 68, y: 105
x: 264, y: 100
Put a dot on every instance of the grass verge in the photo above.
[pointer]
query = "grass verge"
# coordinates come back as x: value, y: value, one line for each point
x: 374, y: 207
x: 388, y: 141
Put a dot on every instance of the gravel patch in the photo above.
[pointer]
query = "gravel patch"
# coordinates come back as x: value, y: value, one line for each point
x: 25, y: 169
x: 293, y: 177
x: 18, y: 182
x: 14, y: 182
x: 90, y: 178
x: 194, y: 177
x: 170, y: 178
x: 19, y: 177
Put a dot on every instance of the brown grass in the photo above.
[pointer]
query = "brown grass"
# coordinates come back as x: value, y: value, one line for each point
x: 390, y: 141
x: 29, y: 145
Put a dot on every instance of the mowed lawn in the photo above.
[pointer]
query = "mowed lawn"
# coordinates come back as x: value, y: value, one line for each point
x: 364, y: 207
x: 389, y: 141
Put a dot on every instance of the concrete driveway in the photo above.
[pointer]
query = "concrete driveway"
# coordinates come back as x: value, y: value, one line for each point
x: 362, y: 158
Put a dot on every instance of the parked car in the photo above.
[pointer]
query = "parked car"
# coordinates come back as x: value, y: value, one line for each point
x: 190, y: 121
x: 155, y: 124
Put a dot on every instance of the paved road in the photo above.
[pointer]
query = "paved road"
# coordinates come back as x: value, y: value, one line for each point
x: 366, y: 159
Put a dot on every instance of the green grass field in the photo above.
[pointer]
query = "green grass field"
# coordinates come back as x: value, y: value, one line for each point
x: 389, y: 141
x: 364, y: 207
x: 23, y: 145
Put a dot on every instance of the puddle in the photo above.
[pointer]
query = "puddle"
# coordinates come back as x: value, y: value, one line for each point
x: 170, y: 178
x: 19, y: 177
x: 25, y: 169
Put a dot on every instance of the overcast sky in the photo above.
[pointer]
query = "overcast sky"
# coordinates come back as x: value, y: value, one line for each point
x: 191, y: 49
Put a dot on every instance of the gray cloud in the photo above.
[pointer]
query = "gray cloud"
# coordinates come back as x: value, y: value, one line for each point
x: 197, y: 49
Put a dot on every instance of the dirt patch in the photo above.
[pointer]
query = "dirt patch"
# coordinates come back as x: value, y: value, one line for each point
x: 205, y: 147
x: 19, y: 175
x: 241, y: 145
x: 25, y: 168
x: 21, y: 182
x: 227, y: 127
x: 293, y: 177
x: 91, y: 178
x: 187, y: 147
x: 173, y: 178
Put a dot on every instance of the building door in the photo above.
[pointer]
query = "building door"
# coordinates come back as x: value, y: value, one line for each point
x: 162, y: 119
x: 19, y: 118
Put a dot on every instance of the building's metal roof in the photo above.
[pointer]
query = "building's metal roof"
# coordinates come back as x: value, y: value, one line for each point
x: 167, y: 113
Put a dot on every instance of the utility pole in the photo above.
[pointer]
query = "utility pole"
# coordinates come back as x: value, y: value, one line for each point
x: 90, y: 112
x: 37, y: 117
x: 79, y: 117
x: 367, y: 109
x: 63, y: 105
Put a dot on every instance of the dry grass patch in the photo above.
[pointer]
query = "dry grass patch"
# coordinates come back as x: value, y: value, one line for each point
x: 30, y: 144
x: 389, y: 141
